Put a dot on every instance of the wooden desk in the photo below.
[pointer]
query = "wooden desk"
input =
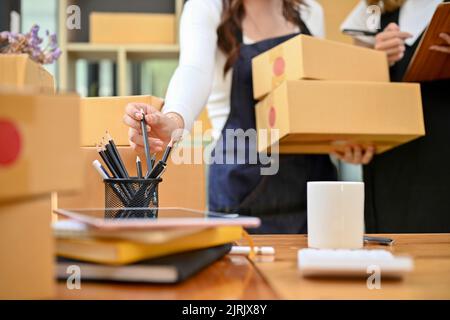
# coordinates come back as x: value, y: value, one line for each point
x: 234, y: 277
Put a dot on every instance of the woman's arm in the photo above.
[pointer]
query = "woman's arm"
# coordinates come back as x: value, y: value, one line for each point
x: 191, y: 83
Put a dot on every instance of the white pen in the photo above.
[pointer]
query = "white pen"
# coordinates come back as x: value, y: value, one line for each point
x: 258, y: 250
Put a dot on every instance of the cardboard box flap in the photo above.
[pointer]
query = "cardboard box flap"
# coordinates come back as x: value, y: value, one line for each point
x: 39, y: 144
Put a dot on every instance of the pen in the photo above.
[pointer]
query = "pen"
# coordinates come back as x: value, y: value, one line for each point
x: 246, y: 250
x: 355, y: 32
x: 102, y: 172
x: 158, y: 170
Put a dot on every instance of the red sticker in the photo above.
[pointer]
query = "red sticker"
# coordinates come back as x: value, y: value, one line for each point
x: 272, y: 117
x: 10, y: 142
x: 278, y: 66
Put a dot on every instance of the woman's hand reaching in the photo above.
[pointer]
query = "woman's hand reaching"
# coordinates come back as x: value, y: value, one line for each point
x: 160, y: 127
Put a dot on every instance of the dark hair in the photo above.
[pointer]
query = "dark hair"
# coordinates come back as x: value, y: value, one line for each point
x: 232, y: 15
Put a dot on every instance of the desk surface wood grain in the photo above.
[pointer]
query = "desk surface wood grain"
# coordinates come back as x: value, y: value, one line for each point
x: 234, y: 277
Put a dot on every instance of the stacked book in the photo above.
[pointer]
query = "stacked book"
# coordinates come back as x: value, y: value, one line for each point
x: 154, y: 256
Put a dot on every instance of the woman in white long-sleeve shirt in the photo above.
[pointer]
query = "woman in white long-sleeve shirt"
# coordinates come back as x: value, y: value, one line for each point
x: 218, y: 39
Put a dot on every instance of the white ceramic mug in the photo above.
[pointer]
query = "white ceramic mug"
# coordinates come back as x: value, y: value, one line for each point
x: 335, y: 215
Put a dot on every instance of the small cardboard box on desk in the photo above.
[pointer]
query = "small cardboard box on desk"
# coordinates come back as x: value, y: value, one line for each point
x: 18, y: 71
x: 39, y: 153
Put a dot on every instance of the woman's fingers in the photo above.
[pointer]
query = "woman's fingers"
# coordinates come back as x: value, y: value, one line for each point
x: 355, y: 154
x: 368, y: 155
x: 156, y: 145
x: 445, y: 37
x: 387, y: 35
x: 348, y: 154
x: 443, y: 48
x: 389, y: 44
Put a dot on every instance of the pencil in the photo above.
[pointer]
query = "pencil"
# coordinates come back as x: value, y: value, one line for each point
x: 146, y: 143
x: 105, y: 159
x: 117, y: 154
x: 139, y: 167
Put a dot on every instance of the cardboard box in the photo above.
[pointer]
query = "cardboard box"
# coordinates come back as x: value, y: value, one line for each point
x: 321, y: 116
x: 305, y: 57
x: 101, y: 114
x: 26, y: 249
x: 183, y: 185
x: 39, y: 144
x: 19, y: 71
x: 132, y: 28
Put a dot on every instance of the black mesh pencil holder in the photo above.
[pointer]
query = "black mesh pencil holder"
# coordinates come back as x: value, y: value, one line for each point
x: 131, y: 198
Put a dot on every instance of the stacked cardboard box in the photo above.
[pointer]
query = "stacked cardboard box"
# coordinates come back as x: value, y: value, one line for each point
x: 39, y: 138
x: 353, y: 101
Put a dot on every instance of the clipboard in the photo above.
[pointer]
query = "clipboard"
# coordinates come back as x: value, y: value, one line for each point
x: 426, y: 64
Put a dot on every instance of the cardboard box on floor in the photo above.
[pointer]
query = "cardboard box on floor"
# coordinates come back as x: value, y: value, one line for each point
x: 101, y: 114
x: 26, y: 249
x: 183, y: 185
x: 131, y: 28
x: 316, y: 117
x: 20, y: 72
x: 39, y: 144
x: 305, y: 57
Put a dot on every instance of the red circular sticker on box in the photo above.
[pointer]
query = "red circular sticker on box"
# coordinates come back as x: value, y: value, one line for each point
x: 272, y: 117
x: 10, y: 142
x: 278, y: 66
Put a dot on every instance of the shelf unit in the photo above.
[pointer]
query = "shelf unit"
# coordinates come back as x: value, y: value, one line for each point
x: 121, y: 54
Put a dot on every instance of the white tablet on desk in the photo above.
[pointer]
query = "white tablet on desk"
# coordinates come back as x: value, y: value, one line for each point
x: 155, y: 218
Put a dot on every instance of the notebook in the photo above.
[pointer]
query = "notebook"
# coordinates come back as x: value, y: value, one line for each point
x: 426, y: 64
x: 169, y: 269
x: 118, y: 251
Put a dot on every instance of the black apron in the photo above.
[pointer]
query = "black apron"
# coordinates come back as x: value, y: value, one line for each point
x: 408, y: 187
x: 279, y: 200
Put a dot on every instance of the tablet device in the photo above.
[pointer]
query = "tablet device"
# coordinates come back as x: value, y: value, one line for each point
x: 155, y: 218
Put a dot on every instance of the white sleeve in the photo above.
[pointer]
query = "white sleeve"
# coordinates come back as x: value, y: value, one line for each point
x: 312, y: 15
x: 357, y: 19
x: 191, y: 83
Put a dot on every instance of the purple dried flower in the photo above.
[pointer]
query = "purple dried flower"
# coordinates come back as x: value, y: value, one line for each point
x: 30, y: 43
